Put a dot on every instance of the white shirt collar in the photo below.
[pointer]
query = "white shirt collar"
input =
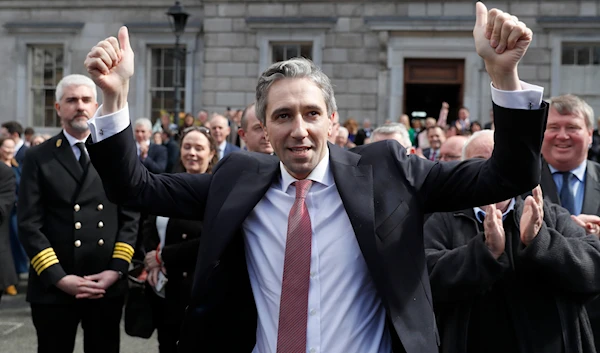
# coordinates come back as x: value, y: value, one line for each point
x: 321, y: 174
x: 222, y: 146
x: 147, y: 143
x: 579, y: 172
x: 18, y: 145
x: 72, y: 140
x: 511, y: 206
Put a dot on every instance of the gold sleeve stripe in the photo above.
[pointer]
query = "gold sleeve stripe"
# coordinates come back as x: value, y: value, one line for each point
x: 124, y: 246
x: 122, y: 257
x: 49, y: 262
x: 41, y: 253
x: 42, y: 260
x: 124, y: 249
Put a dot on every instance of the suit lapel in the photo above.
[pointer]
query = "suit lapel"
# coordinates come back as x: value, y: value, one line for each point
x: 246, y: 191
x: 591, y: 196
x: 548, y: 185
x: 355, y: 186
x: 66, y: 157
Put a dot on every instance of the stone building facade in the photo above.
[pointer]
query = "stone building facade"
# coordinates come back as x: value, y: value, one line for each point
x: 385, y: 58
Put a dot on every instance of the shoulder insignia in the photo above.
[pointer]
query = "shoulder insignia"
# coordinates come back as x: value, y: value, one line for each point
x: 58, y: 142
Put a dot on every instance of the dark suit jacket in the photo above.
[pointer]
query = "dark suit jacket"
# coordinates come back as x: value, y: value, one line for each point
x: 230, y: 148
x: 427, y: 153
x: 591, y: 205
x: 8, y: 275
x: 65, y: 215
x: 385, y: 194
x: 20, y: 155
x: 157, y: 159
x: 362, y: 135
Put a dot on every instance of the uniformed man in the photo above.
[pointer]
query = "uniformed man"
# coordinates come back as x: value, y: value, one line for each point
x: 79, y: 243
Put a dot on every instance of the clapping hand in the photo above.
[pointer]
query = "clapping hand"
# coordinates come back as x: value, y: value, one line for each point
x: 495, y: 238
x: 532, y: 216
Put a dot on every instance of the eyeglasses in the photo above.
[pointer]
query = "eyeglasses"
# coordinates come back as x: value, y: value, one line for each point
x: 201, y: 129
x: 449, y: 157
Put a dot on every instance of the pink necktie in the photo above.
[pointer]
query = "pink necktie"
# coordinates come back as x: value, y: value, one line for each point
x: 293, y: 309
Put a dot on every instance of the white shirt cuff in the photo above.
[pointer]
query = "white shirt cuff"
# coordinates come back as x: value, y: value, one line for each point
x: 529, y: 97
x: 103, y: 127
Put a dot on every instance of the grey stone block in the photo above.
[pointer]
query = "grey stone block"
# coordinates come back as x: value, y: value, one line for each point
x: 231, y: 40
x: 231, y: 69
x: 250, y: 98
x: 588, y: 8
x: 380, y: 9
x: 343, y: 25
x: 291, y: 10
x: 210, y: 69
x: 232, y: 10
x: 316, y: 9
x: 536, y: 56
x: 217, y: 54
x: 528, y: 8
x: 210, y: 10
x: 368, y: 101
x: 340, y: 85
x: 261, y: 10
x: 209, y: 98
x: 544, y: 72
x: 371, y: 40
x: 216, y: 84
x: 459, y: 9
x: 528, y: 72
x: 231, y: 99
x: 558, y: 9
x: 248, y: 55
x: 417, y: 9
x: 363, y: 55
x: 239, y: 25
x: 211, y: 39
x: 434, y: 9
x: 362, y: 86
x: 348, y: 40
x: 218, y: 25
x: 335, y: 55
x: 252, y: 70
x: 348, y: 101
x: 349, y: 9
x: 246, y: 84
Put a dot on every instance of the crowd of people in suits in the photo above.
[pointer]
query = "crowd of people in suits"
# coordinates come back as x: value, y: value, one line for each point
x: 323, y: 236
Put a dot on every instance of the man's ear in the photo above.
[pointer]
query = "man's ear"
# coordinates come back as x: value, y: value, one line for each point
x: 331, y: 119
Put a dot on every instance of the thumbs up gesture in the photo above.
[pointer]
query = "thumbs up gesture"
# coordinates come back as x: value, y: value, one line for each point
x: 110, y: 65
x: 501, y: 40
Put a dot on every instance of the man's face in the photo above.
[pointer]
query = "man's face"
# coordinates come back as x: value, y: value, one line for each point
x: 451, y: 150
x: 142, y: 133
x: 297, y: 124
x: 566, y: 140
x: 341, y: 140
x: 75, y: 108
x: 436, y: 137
x: 254, y: 135
x: 463, y: 114
x: 219, y: 128
x: 367, y: 124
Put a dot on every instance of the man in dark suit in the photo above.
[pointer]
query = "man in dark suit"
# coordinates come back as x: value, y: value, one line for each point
x: 153, y: 156
x: 14, y: 130
x: 220, y: 130
x: 364, y: 133
x: 436, y: 137
x: 79, y: 243
x: 568, y: 177
x: 357, y: 213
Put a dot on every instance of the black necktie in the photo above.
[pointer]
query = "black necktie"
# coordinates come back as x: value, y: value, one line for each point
x: 566, y: 195
x: 84, y: 160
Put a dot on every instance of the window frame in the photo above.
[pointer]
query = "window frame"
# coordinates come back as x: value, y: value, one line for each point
x: 30, y: 84
x: 149, y: 72
x: 265, y: 38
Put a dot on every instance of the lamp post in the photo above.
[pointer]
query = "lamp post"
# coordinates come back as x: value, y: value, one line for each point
x: 178, y: 19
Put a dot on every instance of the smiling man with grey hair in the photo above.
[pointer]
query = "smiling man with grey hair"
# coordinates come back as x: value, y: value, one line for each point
x: 280, y: 233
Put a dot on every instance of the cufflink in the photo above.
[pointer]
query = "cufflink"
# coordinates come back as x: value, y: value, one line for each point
x: 101, y: 132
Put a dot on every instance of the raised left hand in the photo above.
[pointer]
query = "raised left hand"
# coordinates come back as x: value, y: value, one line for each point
x: 589, y: 222
x: 501, y: 40
x: 532, y: 217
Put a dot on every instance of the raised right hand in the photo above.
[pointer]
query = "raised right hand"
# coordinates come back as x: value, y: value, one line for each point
x: 110, y: 65
x: 494, y: 231
x: 80, y: 287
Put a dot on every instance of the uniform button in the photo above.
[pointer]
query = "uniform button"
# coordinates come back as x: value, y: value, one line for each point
x: 100, y: 207
x: 313, y: 312
x: 77, y: 243
x: 77, y: 225
x: 100, y: 224
x: 184, y: 274
x: 101, y: 242
x: 76, y: 208
x: 183, y: 236
x: 313, y: 274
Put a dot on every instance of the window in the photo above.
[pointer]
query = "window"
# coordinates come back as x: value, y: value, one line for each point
x: 580, y: 54
x: 46, y: 69
x: 285, y: 51
x: 162, y: 80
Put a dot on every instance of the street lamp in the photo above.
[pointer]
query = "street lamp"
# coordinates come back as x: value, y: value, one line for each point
x: 177, y: 19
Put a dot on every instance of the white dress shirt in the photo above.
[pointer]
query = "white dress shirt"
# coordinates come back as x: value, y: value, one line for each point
x: 345, y: 310
x: 72, y: 142
x: 222, y: 146
x: 18, y: 145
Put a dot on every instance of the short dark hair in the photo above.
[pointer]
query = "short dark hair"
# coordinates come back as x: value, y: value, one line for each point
x: 29, y: 131
x: 12, y: 127
x: 244, y: 120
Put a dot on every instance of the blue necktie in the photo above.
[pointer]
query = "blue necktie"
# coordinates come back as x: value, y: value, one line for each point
x: 566, y: 194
